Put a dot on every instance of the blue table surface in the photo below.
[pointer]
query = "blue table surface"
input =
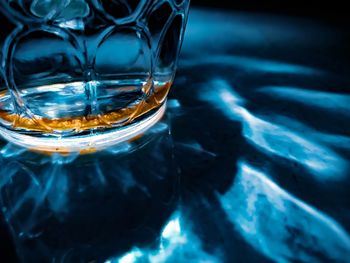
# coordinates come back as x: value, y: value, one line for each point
x: 250, y: 163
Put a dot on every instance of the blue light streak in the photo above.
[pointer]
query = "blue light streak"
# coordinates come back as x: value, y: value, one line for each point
x: 177, y: 243
x: 279, y: 225
x: 276, y: 139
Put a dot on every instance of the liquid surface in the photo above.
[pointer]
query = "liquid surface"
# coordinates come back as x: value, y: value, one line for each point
x: 63, y: 107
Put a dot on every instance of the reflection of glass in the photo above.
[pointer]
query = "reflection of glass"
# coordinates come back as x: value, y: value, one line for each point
x: 72, y: 208
x: 84, y: 74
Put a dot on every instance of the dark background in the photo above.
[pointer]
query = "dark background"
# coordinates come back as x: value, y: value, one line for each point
x: 334, y: 12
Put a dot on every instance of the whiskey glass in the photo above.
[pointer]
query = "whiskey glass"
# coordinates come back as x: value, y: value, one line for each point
x: 86, y: 74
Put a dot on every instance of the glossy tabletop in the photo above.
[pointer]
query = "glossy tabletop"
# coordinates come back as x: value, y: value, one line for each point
x: 249, y: 164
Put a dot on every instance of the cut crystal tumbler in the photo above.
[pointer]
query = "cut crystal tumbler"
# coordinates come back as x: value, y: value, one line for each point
x: 80, y: 74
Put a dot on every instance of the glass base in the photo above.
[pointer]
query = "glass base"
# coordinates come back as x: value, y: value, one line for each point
x: 83, y: 143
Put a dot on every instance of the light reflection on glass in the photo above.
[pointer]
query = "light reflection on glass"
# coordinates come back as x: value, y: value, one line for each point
x: 44, y: 184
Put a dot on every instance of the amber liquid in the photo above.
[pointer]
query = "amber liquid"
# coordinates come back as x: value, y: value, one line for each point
x: 152, y: 98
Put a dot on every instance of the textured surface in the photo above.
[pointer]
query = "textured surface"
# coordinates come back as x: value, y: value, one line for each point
x: 113, y: 49
x: 250, y: 164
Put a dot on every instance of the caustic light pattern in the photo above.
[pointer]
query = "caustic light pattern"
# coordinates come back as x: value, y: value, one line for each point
x: 246, y: 167
x: 276, y: 139
x: 257, y: 207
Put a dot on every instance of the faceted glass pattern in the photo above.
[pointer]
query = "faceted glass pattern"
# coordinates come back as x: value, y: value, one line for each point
x: 81, y: 68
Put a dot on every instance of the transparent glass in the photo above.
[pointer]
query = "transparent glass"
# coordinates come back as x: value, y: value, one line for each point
x: 79, y: 74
